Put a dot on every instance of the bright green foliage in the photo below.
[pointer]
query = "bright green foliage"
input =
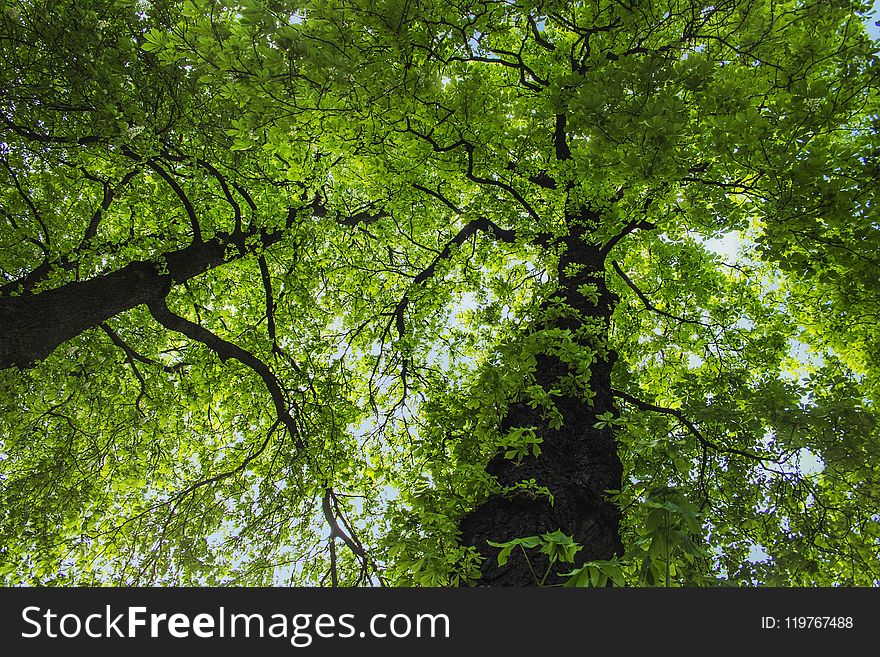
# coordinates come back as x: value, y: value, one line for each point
x: 390, y: 182
x: 557, y: 546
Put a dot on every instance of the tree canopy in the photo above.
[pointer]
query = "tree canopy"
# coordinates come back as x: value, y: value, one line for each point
x: 409, y: 292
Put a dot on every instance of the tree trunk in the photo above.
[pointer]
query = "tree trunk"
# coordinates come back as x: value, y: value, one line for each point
x: 578, y: 462
x: 32, y: 326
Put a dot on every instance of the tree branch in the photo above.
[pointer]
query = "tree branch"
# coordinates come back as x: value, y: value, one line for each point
x: 224, y: 186
x: 178, y: 497
x: 647, y: 302
x: 133, y: 354
x: 130, y: 356
x: 106, y: 201
x: 536, y: 33
x: 560, y: 141
x: 690, y: 426
x: 33, y: 325
x: 270, y: 301
x: 469, y: 149
x: 483, y: 223
x: 44, y: 245
x: 629, y: 228
x: 49, y: 139
x: 187, y: 204
x: 362, y: 216
x: 520, y: 66
x: 330, y: 508
x: 226, y: 350
x: 433, y: 142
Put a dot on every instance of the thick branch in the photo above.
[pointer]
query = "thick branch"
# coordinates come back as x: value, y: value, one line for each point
x: 106, y: 201
x: 335, y: 530
x: 482, y: 224
x: 270, y: 300
x: 187, y: 204
x: 49, y: 139
x: 519, y: 66
x: 44, y: 245
x: 332, y: 514
x: 541, y: 179
x: 32, y: 326
x: 130, y: 356
x: 536, y: 33
x: 560, y: 141
x: 226, y: 350
x: 224, y: 186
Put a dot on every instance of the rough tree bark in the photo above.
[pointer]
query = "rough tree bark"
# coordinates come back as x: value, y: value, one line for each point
x: 32, y: 326
x: 578, y: 462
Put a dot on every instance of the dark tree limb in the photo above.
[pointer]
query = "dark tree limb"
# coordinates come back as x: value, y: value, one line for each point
x: 133, y: 354
x: 181, y: 194
x: 226, y: 350
x: 560, y: 141
x: 224, y: 186
x: 397, y: 316
x: 130, y: 356
x: 33, y: 325
x: 106, y: 202
x: 519, y: 66
x: 363, y: 216
x: 334, y: 572
x: 647, y: 302
x: 46, y: 243
x: 333, y: 515
x: 69, y: 261
x: 180, y: 496
x: 690, y: 426
x: 469, y: 149
x: 630, y: 227
x: 335, y: 530
x: 543, y: 179
x: 50, y: 139
x: 481, y: 224
x: 270, y: 301
x: 536, y: 33
x: 427, y: 137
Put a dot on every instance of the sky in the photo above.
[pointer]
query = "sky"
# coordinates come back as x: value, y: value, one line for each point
x: 871, y: 23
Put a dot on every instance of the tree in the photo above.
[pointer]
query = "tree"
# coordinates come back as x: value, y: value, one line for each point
x: 493, y: 293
